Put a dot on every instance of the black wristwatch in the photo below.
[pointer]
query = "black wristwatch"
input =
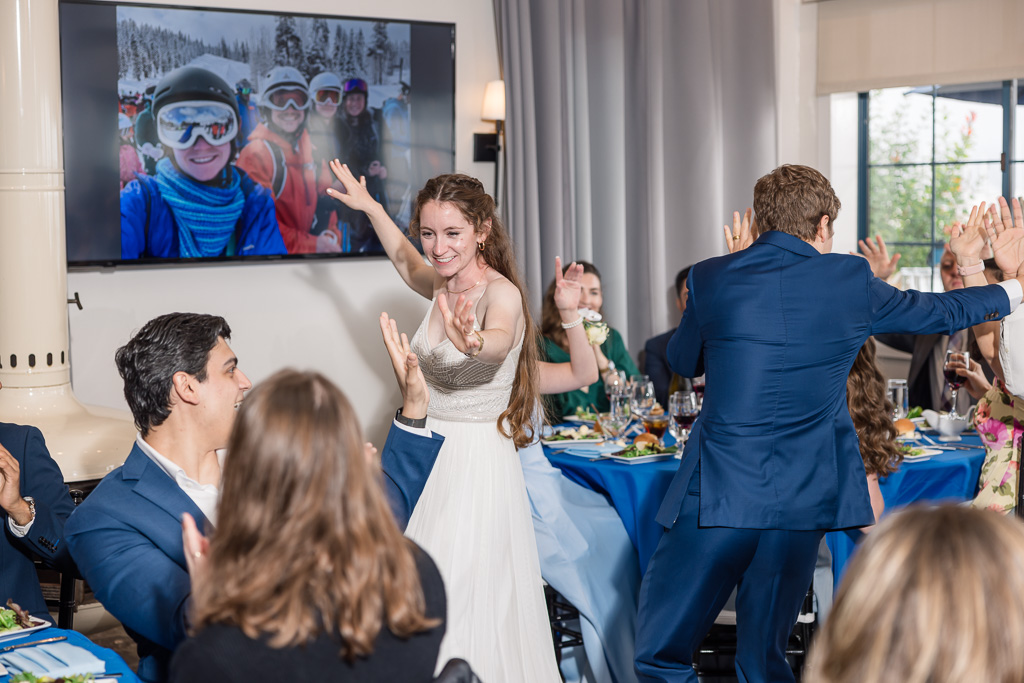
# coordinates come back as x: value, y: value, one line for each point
x: 418, y: 423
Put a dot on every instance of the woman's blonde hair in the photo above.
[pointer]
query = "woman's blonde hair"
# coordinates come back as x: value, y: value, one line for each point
x: 305, y: 541
x: 935, y: 595
x: 467, y: 195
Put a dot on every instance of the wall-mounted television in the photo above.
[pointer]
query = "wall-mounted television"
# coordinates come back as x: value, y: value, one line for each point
x: 225, y: 122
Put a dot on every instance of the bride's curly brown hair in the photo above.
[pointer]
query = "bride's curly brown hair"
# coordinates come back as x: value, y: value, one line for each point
x: 871, y: 410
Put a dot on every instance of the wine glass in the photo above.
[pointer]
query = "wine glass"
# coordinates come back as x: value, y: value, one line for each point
x: 684, y: 407
x: 698, y: 387
x: 619, y: 415
x: 615, y: 382
x: 955, y: 359
x: 642, y: 394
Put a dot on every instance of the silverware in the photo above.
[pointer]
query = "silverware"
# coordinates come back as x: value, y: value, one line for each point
x: 33, y: 642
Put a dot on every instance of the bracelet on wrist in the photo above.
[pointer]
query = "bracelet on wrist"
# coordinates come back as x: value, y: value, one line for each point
x: 416, y: 422
x: 964, y: 271
x: 480, y: 338
x: 574, y: 323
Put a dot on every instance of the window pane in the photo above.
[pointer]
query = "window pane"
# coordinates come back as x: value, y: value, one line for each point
x: 1018, y: 181
x: 901, y: 209
x: 900, y: 126
x: 958, y: 187
x: 1018, y: 152
x: 969, y: 123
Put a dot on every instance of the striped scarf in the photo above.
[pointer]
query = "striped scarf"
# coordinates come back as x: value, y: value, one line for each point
x: 205, y: 216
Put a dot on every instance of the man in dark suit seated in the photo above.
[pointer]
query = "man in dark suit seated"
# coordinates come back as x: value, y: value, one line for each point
x: 773, y: 460
x: 35, y: 505
x: 183, y: 385
x: 656, y: 349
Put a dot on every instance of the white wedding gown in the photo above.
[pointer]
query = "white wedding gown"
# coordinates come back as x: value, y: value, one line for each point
x: 474, y: 520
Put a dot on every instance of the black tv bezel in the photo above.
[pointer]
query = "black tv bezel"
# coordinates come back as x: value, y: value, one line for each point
x: 156, y: 263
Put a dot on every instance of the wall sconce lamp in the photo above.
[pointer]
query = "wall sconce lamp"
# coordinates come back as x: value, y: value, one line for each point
x: 487, y: 145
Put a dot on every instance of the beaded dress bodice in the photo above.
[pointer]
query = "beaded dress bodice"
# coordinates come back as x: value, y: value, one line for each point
x: 463, y: 389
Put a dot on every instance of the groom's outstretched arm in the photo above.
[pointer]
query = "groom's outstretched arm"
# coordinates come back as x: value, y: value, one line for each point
x: 407, y: 459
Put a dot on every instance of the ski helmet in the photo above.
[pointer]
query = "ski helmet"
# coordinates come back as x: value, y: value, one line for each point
x: 192, y: 83
x: 283, y: 77
x: 243, y: 84
x: 325, y: 81
x: 356, y: 85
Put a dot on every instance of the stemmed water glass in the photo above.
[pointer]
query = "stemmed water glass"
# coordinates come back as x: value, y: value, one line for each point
x: 955, y: 359
x: 684, y: 407
x: 619, y: 414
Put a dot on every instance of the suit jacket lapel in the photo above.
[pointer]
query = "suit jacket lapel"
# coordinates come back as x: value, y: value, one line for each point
x: 153, y: 484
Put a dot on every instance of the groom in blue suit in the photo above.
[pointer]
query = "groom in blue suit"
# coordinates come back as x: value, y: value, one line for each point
x: 773, y: 460
x: 183, y: 385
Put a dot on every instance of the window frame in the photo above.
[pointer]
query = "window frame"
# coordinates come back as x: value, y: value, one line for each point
x: 864, y: 165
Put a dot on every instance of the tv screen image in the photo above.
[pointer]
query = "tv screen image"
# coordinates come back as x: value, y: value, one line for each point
x: 226, y: 122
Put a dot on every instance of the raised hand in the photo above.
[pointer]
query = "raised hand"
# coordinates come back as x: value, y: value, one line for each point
x: 741, y: 235
x: 405, y: 363
x: 458, y: 323
x: 967, y: 241
x: 355, y: 195
x: 877, y: 255
x: 567, y: 288
x: 1007, y: 235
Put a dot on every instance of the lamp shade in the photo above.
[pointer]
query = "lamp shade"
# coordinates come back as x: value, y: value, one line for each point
x: 494, y: 102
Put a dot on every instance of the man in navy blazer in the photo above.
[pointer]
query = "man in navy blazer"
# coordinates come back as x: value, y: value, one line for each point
x: 773, y: 460
x: 183, y: 385
x: 35, y: 504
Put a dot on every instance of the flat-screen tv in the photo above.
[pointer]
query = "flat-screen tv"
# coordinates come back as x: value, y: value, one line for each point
x: 226, y: 121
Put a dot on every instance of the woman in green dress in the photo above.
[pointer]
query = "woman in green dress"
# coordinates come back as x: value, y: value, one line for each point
x: 612, y: 354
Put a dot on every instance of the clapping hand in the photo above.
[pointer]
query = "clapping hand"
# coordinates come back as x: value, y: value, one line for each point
x: 355, y: 196
x: 1007, y: 235
x: 10, y: 489
x: 741, y: 235
x: 567, y: 288
x: 405, y: 363
x: 877, y: 255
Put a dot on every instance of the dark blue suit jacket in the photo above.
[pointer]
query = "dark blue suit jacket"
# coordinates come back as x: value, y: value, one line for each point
x: 126, y: 539
x: 42, y: 480
x: 776, y: 328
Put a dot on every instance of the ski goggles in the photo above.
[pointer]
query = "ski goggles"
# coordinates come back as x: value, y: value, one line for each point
x: 180, y: 124
x: 356, y: 85
x: 282, y: 98
x: 327, y: 97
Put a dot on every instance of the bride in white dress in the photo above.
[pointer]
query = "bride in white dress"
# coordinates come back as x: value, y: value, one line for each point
x: 473, y: 517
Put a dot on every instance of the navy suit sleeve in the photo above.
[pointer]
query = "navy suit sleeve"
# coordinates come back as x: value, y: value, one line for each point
x: 686, y: 348
x: 407, y: 460
x: 135, y: 579
x: 42, y: 480
x: 915, y: 312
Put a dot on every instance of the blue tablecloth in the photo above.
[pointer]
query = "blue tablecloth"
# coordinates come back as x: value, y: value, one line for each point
x: 950, y: 476
x: 115, y: 665
x: 635, y: 491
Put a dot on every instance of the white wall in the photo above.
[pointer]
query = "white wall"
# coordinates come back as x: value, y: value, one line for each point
x: 307, y: 315
x: 805, y: 132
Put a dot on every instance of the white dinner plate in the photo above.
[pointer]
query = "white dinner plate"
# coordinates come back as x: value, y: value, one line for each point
x: 925, y: 453
x: 573, y: 443
x: 38, y: 624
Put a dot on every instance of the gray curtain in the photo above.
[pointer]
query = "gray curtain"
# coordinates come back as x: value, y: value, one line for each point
x: 634, y: 128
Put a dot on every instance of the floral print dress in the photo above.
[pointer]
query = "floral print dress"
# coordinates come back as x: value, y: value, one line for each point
x: 999, y: 419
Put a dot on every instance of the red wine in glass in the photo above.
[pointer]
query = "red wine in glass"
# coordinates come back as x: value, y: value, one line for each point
x: 698, y: 386
x: 955, y: 381
x: 684, y: 420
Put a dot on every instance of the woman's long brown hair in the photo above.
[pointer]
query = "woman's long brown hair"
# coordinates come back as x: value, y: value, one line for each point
x: 871, y: 410
x: 305, y: 541
x: 476, y: 206
x: 550, y: 321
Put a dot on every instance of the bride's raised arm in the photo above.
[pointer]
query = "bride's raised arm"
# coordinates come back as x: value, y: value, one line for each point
x: 409, y: 263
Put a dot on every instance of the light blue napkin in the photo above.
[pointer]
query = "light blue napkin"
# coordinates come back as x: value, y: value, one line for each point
x: 52, y: 659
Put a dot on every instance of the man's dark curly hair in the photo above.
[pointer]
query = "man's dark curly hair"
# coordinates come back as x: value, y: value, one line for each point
x: 176, y: 342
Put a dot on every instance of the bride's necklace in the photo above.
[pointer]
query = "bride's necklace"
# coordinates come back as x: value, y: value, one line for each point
x: 463, y: 291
